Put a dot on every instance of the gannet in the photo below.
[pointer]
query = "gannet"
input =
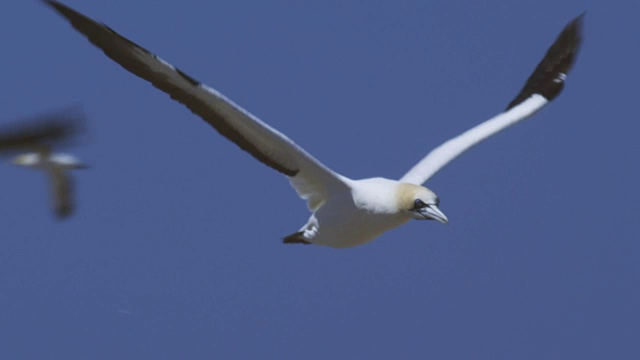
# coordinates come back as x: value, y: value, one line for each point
x: 39, y: 135
x: 345, y: 212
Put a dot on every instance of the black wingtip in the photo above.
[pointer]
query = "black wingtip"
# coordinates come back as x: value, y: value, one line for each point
x: 59, y: 7
x: 549, y: 76
x: 76, y: 19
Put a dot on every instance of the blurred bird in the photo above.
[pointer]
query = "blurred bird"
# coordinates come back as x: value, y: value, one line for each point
x: 39, y: 135
x: 345, y: 212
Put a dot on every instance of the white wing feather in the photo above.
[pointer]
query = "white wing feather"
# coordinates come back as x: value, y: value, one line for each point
x: 445, y: 153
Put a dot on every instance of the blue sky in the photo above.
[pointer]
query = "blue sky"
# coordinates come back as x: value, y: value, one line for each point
x: 175, y: 249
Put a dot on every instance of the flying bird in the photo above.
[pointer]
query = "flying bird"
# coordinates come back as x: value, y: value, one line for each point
x: 39, y: 135
x: 345, y: 212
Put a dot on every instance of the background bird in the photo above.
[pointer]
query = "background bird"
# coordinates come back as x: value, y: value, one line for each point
x: 39, y: 135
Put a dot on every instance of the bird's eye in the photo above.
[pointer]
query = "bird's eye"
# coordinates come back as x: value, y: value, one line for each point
x: 418, y: 204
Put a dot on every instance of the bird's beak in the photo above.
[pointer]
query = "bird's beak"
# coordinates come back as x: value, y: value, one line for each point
x: 432, y: 212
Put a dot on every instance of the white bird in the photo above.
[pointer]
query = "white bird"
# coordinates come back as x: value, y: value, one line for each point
x: 345, y: 212
x: 40, y: 135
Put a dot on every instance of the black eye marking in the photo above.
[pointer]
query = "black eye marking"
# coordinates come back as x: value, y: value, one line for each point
x: 418, y: 204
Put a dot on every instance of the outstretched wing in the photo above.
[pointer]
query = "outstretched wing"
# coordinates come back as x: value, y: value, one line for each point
x: 543, y: 85
x: 311, y: 179
x: 50, y: 129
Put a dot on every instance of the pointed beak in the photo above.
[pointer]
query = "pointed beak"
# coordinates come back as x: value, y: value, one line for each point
x: 432, y: 212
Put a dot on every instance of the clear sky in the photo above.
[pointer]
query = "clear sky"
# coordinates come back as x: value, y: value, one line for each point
x: 175, y: 250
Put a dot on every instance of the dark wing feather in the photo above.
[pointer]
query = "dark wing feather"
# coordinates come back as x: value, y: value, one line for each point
x: 148, y: 66
x: 548, y: 77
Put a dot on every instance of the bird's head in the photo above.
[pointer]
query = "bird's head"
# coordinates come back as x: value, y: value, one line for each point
x: 421, y: 203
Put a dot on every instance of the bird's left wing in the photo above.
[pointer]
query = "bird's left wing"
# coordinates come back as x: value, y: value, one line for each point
x: 543, y: 85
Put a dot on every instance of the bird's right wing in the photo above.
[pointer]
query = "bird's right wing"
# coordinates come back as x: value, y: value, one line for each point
x: 312, y: 180
x: 543, y: 85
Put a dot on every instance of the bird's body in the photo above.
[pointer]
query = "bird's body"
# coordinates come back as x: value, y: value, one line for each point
x: 39, y: 136
x: 345, y: 212
x: 366, y: 209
